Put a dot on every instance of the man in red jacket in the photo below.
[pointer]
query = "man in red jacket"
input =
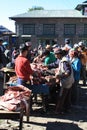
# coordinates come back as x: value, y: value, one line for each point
x: 22, y: 67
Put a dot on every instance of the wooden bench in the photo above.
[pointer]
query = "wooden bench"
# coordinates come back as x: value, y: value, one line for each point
x: 12, y: 115
x: 16, y: 115
x: 4, y: 114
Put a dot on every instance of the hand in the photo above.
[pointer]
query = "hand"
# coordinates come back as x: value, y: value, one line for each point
x: 45, y: 67
x: 57, y: 76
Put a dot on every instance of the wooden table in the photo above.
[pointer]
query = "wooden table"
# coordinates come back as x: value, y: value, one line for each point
x: 5, y: 71
x: 12, y: 115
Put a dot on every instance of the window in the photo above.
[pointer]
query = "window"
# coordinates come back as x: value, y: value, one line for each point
x: 85, y: 28
x: 29, y: 29
x: 49, y: 29
x: 69, y: 29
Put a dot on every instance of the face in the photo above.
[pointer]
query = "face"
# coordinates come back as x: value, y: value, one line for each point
x: 1, y: 42
x: 58, y: 56
x: 71, y: 53
x: 25, y: 53
x: 29, y: 48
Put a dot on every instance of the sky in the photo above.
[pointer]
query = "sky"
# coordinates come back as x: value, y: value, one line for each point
x: 9, y: 8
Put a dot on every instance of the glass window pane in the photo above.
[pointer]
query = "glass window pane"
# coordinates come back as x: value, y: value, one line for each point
x: 29, y: 29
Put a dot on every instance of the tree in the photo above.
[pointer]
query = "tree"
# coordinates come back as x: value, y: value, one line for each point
x: 36, y: 8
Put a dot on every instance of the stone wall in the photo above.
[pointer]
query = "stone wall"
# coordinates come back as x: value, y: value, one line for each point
x: 59, y: 28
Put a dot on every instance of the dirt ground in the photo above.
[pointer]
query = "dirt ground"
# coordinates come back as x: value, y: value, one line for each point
x: 74, y: 120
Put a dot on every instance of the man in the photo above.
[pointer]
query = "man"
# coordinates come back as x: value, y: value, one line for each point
x: 3, y: 61
x: 7, y: 52
x: 29, y: 55
x: 83, y: 57
x: 22, y: 67
x: 67, y: 44
x: 49, y: 57
x: 64, y: 74
x: 56, y: 63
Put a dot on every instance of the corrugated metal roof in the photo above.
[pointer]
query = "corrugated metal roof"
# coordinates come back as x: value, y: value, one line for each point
x: 50, y: 14
x: 79, y: 6
x: 4, y: 30
x: 85, y: 1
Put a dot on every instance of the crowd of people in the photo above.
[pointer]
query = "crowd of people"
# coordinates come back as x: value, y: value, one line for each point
x: 52, y: 71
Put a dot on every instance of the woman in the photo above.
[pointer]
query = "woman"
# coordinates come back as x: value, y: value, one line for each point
x: 76, y: 66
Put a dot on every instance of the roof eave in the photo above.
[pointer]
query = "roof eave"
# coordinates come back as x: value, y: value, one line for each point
x: 44, y: 17
x: 78, y: 7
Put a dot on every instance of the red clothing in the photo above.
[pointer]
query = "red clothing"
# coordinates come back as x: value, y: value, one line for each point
x: 22, y: 68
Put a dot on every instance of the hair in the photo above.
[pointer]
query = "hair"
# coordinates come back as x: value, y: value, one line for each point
x: 23, y: 48
x: 75, y: 54
x: 64, y: 52
x: 46, y: 52
x: 1, y: 40
x: 67, y: 41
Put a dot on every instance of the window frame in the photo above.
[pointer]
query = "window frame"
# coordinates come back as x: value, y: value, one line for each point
x: 85, y: 29
x: 71, y: 29
x: 26, y: 29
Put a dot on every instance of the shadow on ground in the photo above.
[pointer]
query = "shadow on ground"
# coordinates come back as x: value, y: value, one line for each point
x: 76, y: 114
x: 57, y: 125
x: 62, y: 126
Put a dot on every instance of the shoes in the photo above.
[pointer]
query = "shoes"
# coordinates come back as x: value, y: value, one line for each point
x: 84, y: 84
x: 31, y: 111
x: 59, y: 113
x: 68, y: 111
